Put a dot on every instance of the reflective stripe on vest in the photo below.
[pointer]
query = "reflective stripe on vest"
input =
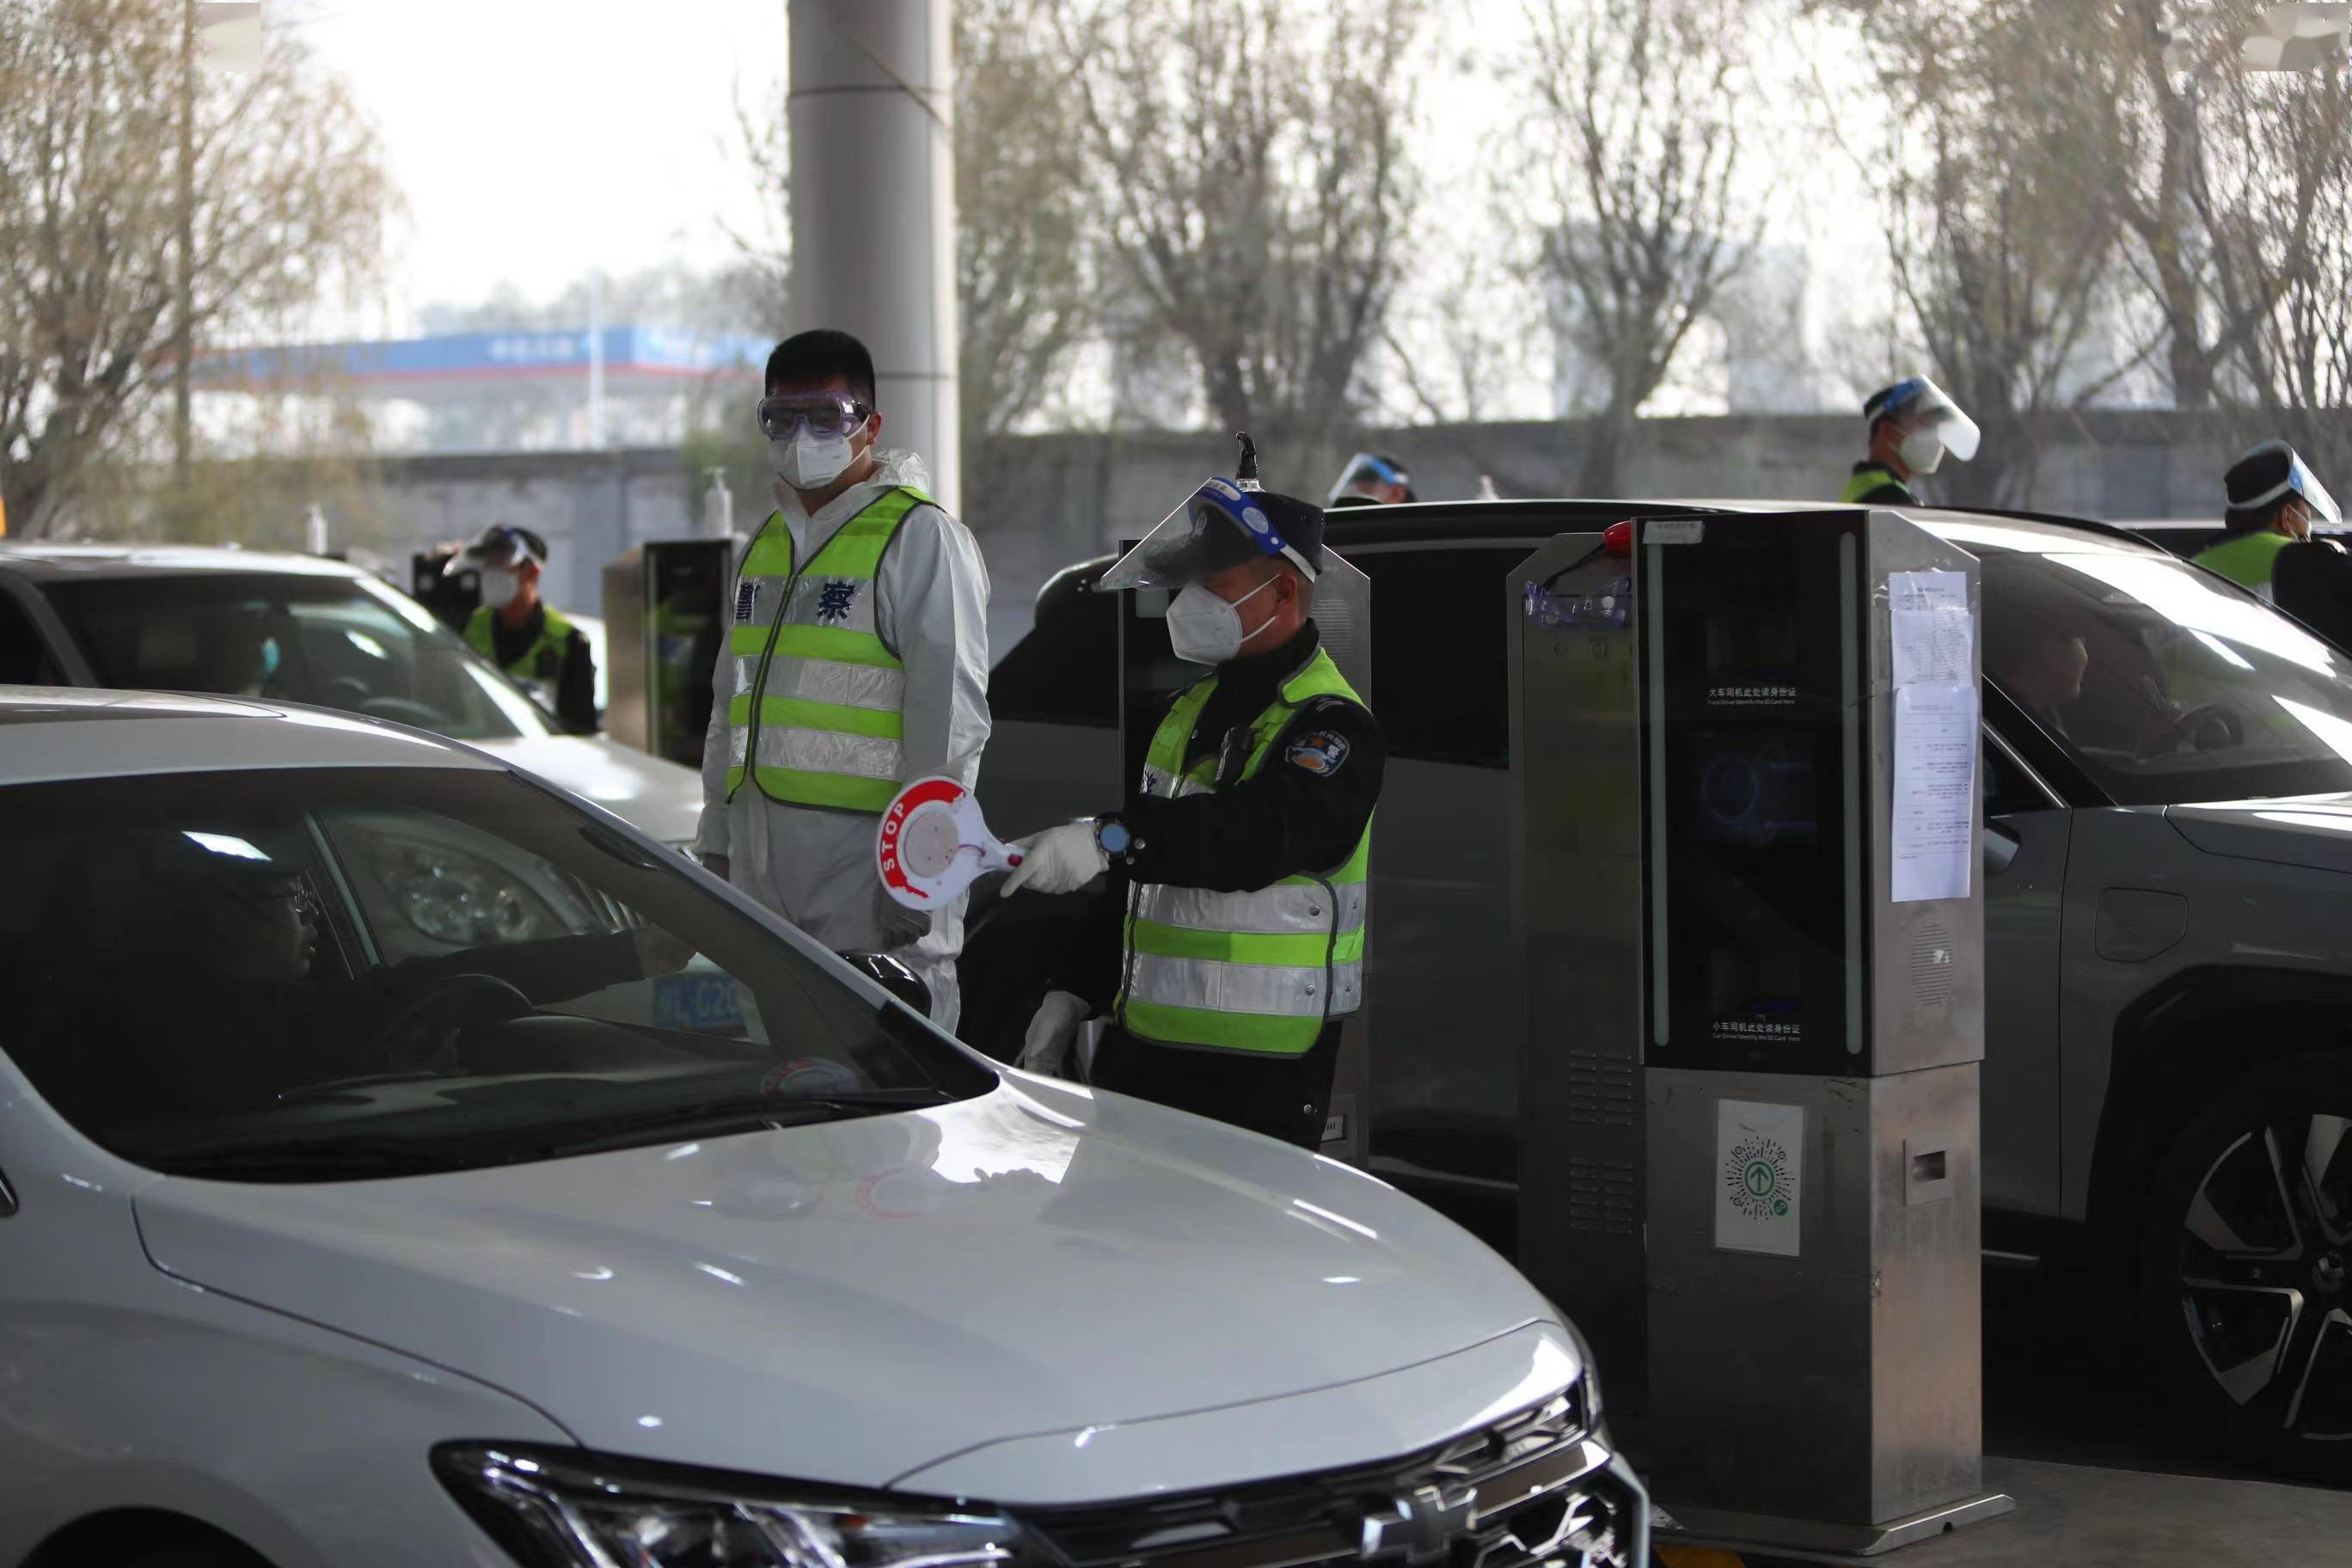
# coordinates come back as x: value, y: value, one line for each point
x: 2248, y: 560
x: 1249, y: 972
x: 1871, y: 479
x: 817, y: 713
x: 554, y: 637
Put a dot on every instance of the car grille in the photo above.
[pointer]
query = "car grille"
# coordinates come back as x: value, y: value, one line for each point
x: 1536, y: 1488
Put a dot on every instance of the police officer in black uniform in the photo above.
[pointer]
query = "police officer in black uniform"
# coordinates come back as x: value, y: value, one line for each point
x: 1227, y: 946
x: 1912, y: 425
x: 520, y: 633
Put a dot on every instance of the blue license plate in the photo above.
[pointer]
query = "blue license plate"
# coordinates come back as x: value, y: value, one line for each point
x: 697, y: 1001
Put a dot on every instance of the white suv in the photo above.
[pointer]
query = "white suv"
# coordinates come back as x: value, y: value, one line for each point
x: 301, y: 628
x: 405, y: 1164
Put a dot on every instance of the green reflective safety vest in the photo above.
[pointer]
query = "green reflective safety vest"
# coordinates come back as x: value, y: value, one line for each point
x: 817, y: 714
x: 543, y: 661
x: 2247, y: 560
x: 1875, y: 477
x: 1245, y: 972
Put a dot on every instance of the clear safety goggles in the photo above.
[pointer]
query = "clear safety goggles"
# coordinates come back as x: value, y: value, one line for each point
x: 1220, y: 527
x: 2302, y: 482
x: 1920, y: 404
x: 826, y: 413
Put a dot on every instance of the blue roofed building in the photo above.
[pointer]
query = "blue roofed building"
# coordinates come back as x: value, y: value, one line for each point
x: 536, y: 389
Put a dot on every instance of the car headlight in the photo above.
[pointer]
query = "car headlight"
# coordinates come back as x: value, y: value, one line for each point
x: 553, y: 1507
x: 1590, y: 1395
x: 455, y: 896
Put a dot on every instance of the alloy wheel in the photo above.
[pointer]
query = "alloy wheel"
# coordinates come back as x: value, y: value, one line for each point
x: 2265, y: 1249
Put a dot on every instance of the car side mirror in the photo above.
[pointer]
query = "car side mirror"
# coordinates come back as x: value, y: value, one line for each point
x: 2000, y: 849
x: 894, y: 977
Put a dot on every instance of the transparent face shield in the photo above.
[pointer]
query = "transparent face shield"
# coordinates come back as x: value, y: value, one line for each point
x: 1928, y: 409
x: 2302, y: 481
x: 1219, y: 527
x: 1367, y: 468
x: 497, y: 546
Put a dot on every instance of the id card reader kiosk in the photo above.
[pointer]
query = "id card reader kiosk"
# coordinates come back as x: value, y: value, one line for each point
x: 1752, y: 936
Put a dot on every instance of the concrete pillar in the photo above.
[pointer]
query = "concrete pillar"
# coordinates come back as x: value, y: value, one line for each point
x: 873, y: 170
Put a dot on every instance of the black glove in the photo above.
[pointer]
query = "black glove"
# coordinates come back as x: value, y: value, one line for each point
x: 899, y: 924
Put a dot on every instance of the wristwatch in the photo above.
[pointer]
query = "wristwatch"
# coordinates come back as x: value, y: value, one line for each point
x: 1112, y: 838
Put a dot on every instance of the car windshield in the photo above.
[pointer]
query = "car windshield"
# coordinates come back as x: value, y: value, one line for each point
x: 2168, y: 684
x: 336, y: 642
x: 315, y: 975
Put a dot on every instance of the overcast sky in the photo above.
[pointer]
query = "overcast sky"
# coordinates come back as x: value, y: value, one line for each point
x: 535, y: 141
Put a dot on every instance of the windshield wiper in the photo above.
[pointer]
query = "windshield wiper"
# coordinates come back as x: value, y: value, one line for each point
x: 877, y: 1098
x: 734, y: 1114
x: 314, y: 1159
x: 370, y: 1156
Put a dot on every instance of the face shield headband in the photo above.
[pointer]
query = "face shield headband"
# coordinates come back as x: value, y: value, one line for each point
x: 1220, y: 527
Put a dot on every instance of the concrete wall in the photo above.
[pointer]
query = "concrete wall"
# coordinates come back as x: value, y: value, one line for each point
x: 1038, y: 503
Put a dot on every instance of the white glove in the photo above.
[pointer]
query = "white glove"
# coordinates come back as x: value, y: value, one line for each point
x: 1059, y: 860
x: 1052, y: 1032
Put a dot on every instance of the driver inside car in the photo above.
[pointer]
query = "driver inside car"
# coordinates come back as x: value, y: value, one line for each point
x: 225, y: 936
x: 2042, y: 671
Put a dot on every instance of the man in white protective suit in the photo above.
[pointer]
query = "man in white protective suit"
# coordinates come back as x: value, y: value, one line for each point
x: 856, y: 659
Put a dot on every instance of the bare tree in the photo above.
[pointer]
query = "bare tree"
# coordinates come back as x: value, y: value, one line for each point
x: 763, y: 276
x: 1250, y: 156
x: 1642, y: 105
x: 307, y: 446
x: 1026, y: 242
x: 2298, y: 366
x: 2002, y: 208
x: 2216, y: 168
x: 289, y: 204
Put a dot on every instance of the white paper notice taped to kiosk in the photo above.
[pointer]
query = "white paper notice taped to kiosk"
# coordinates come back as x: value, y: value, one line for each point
x: 1759, y: 1156
x: 1934, y: 791
x: 1931, y: 634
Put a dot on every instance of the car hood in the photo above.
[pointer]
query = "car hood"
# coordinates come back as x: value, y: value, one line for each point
x: 854, y: 1302
x: 657, y: 796
x: 2306, y: 830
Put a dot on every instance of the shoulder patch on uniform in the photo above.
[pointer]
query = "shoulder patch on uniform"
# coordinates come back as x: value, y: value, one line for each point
x: 1320, y: 752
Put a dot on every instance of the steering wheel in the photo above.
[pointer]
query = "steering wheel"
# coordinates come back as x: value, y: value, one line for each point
x: 2189, y: 725
x: 453, y: 1004
x: 455, y: 1001
x: 423, y: 715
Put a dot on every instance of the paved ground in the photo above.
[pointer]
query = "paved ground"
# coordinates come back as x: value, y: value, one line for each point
x: 2104, y: 1477
x: 2075, y: 1515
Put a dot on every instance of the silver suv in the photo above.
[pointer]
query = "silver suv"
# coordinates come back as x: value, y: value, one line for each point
x: 2168, y: 1079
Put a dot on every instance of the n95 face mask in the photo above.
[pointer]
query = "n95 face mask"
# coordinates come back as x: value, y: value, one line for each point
x: 809, y: 458
x: 1205, y: 630
x: 1923, y: 450
x: 499, y: 586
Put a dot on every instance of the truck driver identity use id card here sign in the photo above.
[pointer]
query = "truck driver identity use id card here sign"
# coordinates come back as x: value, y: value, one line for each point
x: 1932, y: 649
x: 1759, y: 1176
